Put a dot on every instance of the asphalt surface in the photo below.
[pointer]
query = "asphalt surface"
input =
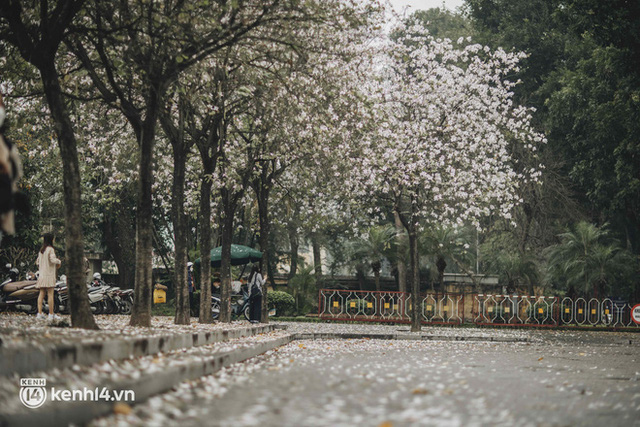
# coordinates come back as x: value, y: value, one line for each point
x: 557, y: 379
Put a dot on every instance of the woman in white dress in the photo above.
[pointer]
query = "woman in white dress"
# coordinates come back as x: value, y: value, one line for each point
x: 47, y: 266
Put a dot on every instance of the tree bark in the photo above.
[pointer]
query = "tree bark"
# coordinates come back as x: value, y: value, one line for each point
x: 183, y: 316
x: 317, y: 258
x: 415, y: 280
x: 410, y: 223
x: 228, y: 207
x: 294, y: 245
x: 376, y: 276
x: 141, y: 312
x: 402, y: 267
x: 361, y: 277
x: 81, y: 316
x: 205, y: 244
x: 441, y: 264
x: 119, y: 230
x: 264, y: 189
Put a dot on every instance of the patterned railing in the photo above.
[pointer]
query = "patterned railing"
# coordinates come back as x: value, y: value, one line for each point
x: 481, y: 309
x: 512, y: 309
x: 375, y: 306
x: 551, y: 311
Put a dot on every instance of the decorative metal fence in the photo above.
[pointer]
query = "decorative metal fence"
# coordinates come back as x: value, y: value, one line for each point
x: 396, y: 307
x: 516, y: 310
x: 551, y: 311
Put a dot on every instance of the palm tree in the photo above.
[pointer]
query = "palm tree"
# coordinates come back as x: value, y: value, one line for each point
x: 303, y: 286
x: 373, y: 249
x: 443, y: 243
x: 515, y: 269
x: 587, y: 258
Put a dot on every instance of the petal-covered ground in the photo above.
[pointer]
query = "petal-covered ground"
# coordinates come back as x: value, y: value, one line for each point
x: 530, y: 377
x: 590, y: 381
x: 19, y: 329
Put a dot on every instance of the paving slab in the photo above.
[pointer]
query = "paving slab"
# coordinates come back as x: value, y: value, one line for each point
x: 585, y: 382
x: 37, y: 346
x: 142, y: 376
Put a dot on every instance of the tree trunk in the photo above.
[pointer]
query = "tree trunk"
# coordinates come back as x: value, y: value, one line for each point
x: 402, y: 267
x: 441, y: 264
x: 361, y: 277
x: 183, y: 315
x: 317, y: 258
x: 410, y: 224
x: 376, y: 275
x: 415, y: 280
x: 263, y: 213
x: 141, y: 312
x: 228, y: 207
x: 294, y: 244
x: 205, y: 245
x: 119, y: 229
x: 81, y: 316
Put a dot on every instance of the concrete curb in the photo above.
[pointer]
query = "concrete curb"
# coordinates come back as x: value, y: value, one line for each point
x: 79, y: 413
x: 407, y: 337
x: 40, y: 358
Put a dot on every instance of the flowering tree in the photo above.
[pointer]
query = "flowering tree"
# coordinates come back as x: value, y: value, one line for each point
x: 261, y: 92
x: 440, y: 152
x: 38, y: 33
x: 136, y: 52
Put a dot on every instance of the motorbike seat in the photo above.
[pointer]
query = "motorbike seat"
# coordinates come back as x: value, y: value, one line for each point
x: 15, y: 286
x: 95, y: 289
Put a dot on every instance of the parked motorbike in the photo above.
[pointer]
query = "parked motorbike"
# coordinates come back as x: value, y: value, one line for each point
x: 11, y: 273
x: 62, y: 295
x: 238, y: 307
x: 125, y: 301
x: 19, y: 295
x: 97, y: 295
x: 22, y: 296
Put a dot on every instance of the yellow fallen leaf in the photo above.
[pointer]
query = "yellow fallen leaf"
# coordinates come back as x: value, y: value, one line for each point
x: 386, y: 424
x: 420, y: 391
x: 540, y: 359
x: 121, y: 409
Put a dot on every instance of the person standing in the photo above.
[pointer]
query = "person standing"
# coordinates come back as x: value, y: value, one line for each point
x: 256, y: 282
x: 190, y: 281
x: 47, y: 265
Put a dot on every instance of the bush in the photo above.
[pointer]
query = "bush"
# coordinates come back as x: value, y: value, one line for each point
x: 194, y: 303
x: 283, y: 303
x: 166, y: 309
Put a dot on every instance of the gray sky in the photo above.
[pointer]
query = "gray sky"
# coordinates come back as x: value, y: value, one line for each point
x: 414, y: 5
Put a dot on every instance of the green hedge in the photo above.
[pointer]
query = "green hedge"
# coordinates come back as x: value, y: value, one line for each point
x: 283, y: 303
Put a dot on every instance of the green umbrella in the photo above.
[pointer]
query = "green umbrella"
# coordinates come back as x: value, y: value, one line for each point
x: 239, y: 255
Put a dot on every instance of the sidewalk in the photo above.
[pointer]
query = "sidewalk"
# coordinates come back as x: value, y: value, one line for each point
x: 144, y: 361
x: 151, y: 361
x: 27, y: 345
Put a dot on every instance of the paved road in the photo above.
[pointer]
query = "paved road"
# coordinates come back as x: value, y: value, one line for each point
x: 584, y: 380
